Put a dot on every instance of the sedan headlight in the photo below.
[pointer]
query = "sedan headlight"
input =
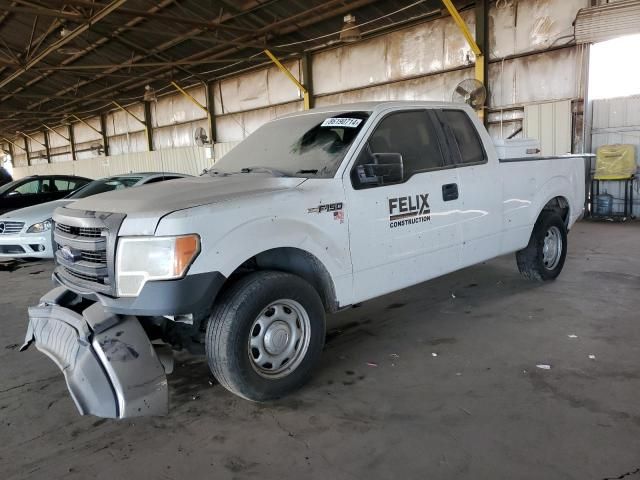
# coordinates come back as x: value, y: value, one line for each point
x: 40, y: 227
x: 143, y: 259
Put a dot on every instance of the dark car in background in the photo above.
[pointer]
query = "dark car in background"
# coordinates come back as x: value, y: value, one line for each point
x: 5, y: 176
x: 38, y: 189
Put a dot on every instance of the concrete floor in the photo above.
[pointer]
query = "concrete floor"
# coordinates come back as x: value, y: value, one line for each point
x: 435, y: 381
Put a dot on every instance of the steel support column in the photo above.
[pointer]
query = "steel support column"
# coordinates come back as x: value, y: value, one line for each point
x: 11, y: 154
x: 307, y: 78
x: 26, y: 150
x: 148, y: 125
x: 46, y: 145
x: 211, y: 119
x: 72, y: 142
x: 482, y: 39
x: 103, y: 132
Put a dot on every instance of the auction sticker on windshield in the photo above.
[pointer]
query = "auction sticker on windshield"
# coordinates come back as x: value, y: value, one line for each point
x: 342, y: 122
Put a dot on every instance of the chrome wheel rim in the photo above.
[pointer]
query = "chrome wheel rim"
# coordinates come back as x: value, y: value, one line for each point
x: 552, y: 248
x: 279, y: 339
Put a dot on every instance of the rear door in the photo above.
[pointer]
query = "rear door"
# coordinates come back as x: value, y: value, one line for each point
x: 479, y: 187
x: 403, y: 216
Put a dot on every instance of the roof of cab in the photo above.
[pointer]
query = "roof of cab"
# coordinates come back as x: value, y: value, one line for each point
x: 381, y: 105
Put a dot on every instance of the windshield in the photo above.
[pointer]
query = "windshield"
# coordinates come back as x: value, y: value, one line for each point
x: 9, y: 186
x: 311, y: 145
x: 105, y: 185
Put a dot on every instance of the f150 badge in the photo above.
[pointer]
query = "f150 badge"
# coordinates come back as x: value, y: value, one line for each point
x: 336, y: 208
x: 409, y: 210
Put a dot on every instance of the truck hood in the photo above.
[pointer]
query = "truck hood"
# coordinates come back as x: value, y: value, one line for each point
x: 36, y: 213
x: 166, y: 197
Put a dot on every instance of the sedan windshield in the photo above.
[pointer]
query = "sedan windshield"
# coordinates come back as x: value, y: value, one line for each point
x: 311, y: 145
x: 105, y: 185
x: 9, y: 186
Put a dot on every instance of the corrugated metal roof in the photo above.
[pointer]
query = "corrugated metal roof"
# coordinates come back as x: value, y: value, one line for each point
x: 152, y: 42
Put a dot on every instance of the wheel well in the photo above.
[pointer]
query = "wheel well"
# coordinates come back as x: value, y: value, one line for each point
x: 298, y: 262
x: 559, y: 205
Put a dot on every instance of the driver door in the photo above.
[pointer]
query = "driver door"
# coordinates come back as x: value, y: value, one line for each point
x: 23, y: 195
x: 403, y: 219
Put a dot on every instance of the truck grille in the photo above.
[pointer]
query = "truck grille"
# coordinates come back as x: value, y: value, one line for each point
x: 95, y: 257
x: 7, y: 228
x: 88, y: 232
x: 84, y: 247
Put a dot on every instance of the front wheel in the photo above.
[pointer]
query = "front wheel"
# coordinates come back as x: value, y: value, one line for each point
x: 265, y: 335
x: 543, y: 258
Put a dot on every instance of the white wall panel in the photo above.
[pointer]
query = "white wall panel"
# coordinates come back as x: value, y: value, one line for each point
x: 20, y: 159
x: 456, y: 50
x: 256, y: 89
x: 182, y: 160
x: 176, y: 108
x: 527, y: 25
x: 434, y: 87
x: 550, y: 123
x: 36, y: 143
x: 128, y: 143
x: 418, y: 50
x: 60, y: 154
x: 236, y: 126
x: 536, y: 78
x: 120, y: 122
x: 56, y: 140
x: 83, y: 150
x: 82, y: 133
x: 176, y: 136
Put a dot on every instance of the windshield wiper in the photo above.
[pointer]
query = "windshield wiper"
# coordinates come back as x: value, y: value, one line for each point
x: 272, y: 171
x: 308, y: 171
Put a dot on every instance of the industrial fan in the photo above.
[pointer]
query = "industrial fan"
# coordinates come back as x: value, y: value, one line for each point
x: 470, y: 91
x: 200, y: 137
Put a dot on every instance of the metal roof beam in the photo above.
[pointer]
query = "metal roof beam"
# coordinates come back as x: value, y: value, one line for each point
x: 63, y: 41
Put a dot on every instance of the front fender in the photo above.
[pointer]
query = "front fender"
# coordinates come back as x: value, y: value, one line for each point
x: 259, y: 235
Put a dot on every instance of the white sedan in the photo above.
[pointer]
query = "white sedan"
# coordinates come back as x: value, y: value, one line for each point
x: 26, y: 233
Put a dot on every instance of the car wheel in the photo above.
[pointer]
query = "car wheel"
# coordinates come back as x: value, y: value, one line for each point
x: 265, y: 335
x: 544, y: 256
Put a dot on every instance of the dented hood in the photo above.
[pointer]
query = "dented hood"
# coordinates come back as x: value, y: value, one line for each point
x: 170, y: 196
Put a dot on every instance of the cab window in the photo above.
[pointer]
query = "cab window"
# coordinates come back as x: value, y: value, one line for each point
x: 402, y: 144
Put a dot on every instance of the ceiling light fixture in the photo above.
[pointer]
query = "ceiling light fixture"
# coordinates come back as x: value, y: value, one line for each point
x: 149, y: 94
x: 350, y: 31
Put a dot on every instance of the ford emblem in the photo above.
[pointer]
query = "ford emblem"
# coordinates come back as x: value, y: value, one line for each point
x: 68, y: 254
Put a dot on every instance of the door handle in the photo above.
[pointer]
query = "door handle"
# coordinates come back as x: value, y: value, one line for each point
x: 450, y: 192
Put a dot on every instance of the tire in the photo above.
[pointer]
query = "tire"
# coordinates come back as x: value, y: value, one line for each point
x: 251, y: 336
x: 543, y: 258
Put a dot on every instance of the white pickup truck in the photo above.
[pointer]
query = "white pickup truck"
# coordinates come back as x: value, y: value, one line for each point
x: 312, y: 213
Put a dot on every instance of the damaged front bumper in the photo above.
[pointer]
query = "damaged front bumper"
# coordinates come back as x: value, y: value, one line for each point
x: 110, y: 366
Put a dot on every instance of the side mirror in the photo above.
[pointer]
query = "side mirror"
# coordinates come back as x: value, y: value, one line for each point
x: 13, y: 194
x: 388, y: 168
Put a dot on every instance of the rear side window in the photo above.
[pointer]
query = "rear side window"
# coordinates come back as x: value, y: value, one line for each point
x: 75, y: 183
x: 462, y: 136
x: 61, y: 185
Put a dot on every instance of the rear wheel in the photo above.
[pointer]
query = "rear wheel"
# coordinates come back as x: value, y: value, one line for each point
x: 544, y: 256
x: 265, y: 335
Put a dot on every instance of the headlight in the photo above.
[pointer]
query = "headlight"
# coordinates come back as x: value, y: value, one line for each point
x: 40, y: 227
x: 143, y: 259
